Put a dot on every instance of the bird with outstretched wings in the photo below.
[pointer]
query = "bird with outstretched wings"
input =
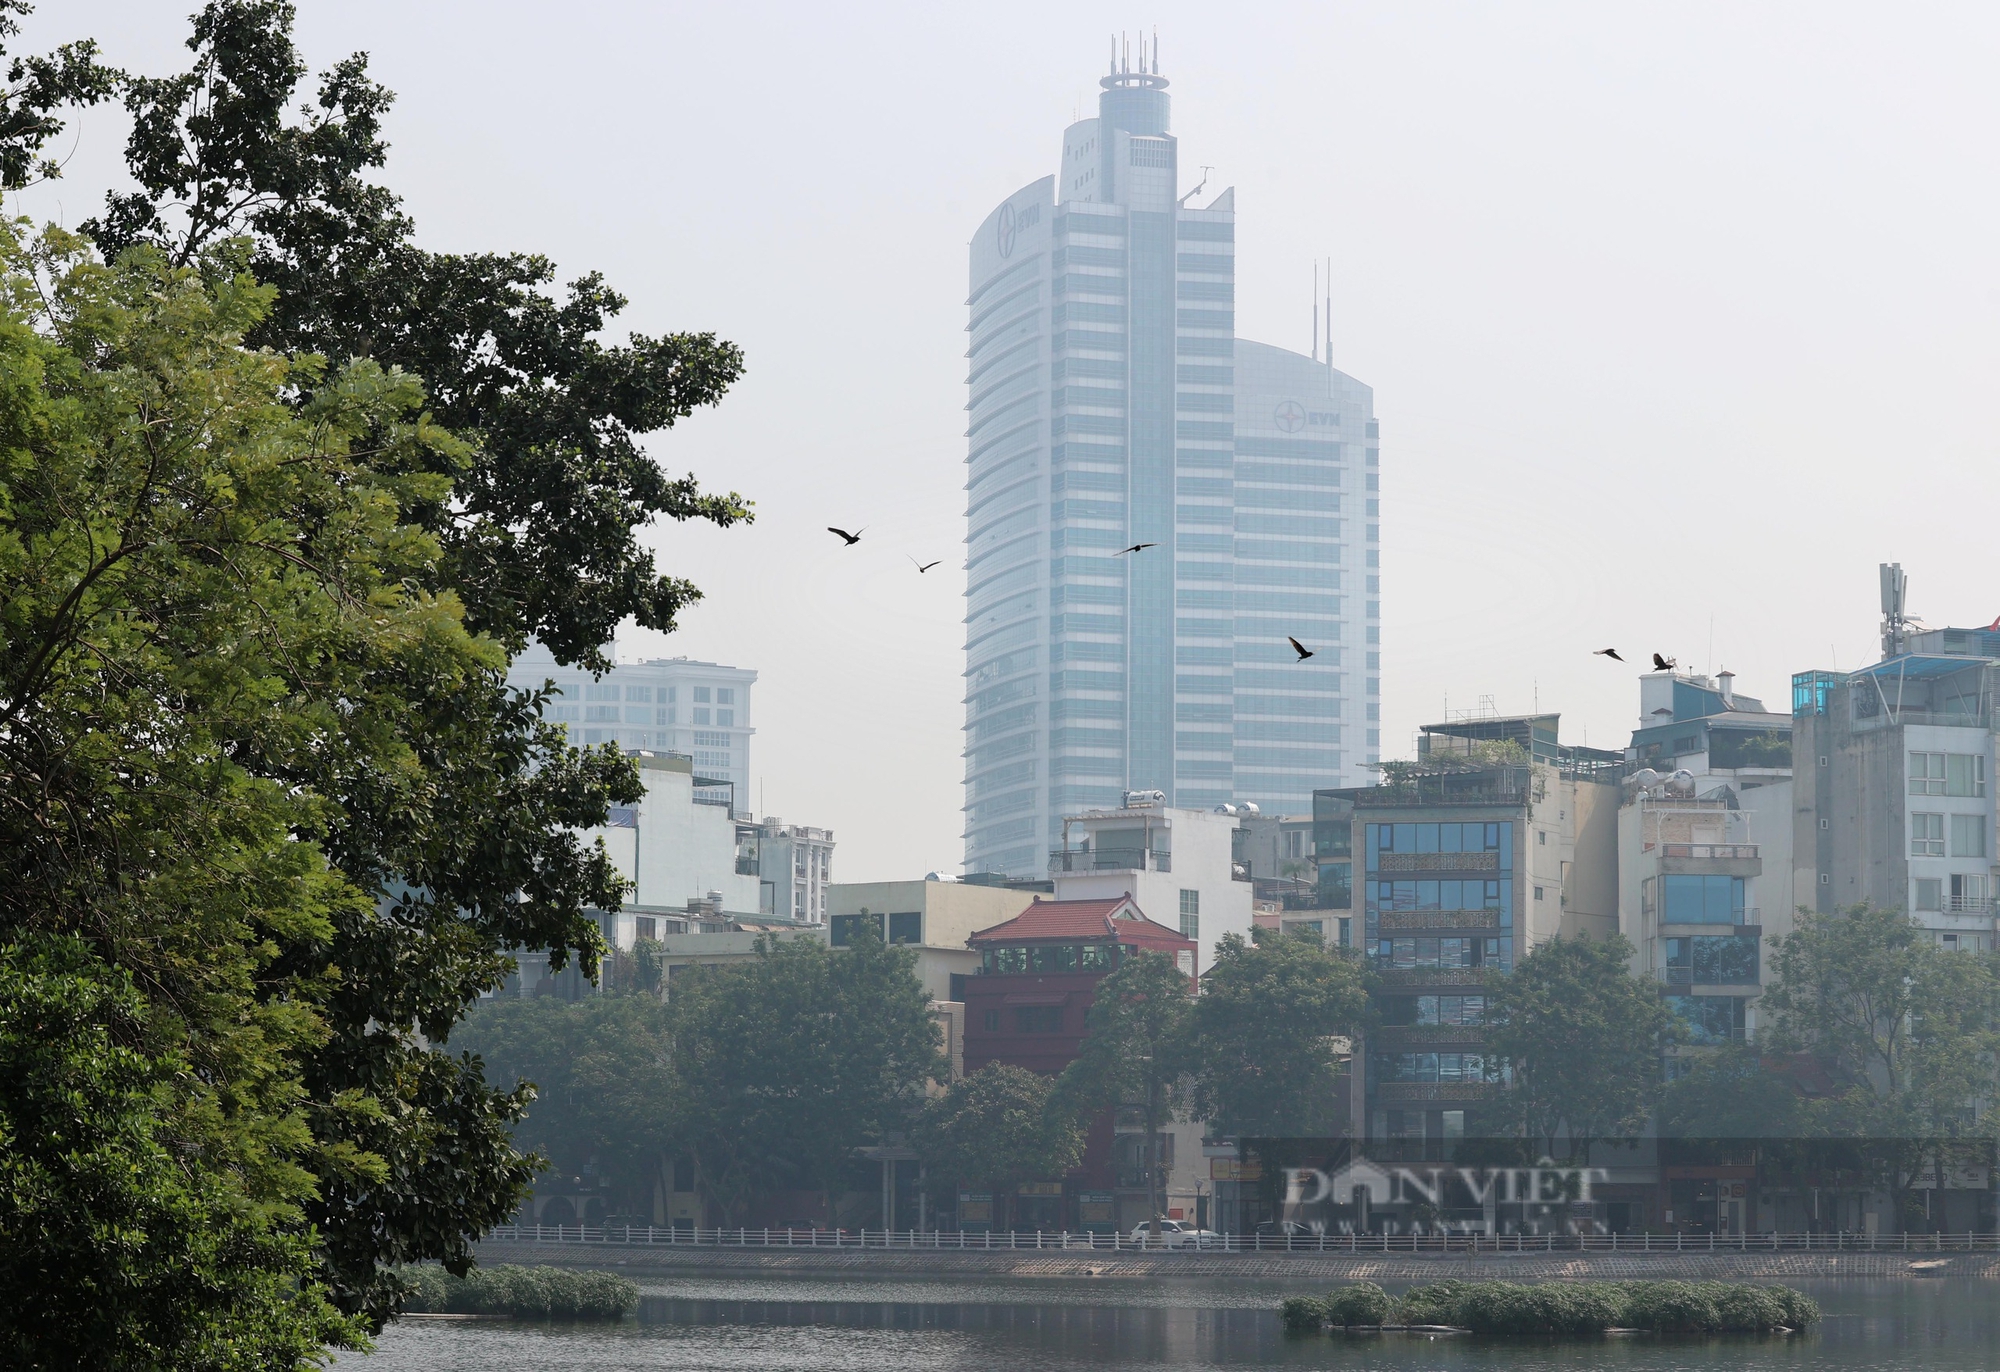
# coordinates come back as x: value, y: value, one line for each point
x: 1611, y: 653
x: 1135, y: 548
x: 1300, y: 648
x: 923, y: 566
x: 1662, y: 664
x: 849, y: 538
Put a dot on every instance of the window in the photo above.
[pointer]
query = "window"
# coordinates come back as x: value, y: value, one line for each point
x: 1926, y: 774
x: 725, y: 717
x: 907, y: 928
x: 645, y: 926
x: 1538, y: 893
x: 1052, y: 959
x: 1710, y: 1019
x: 701, y: 714
x: 844, y: 927
x: 1926, y: 835
x: 1690, y: 899
x: 596, y: 692
x: 1930, y: 893
x: 664, y: 715
x: 1968, y: 892
x: 1713, y: 960
x: 644, y: 693
x: 992, y: 1021
x: 725, y: 695
x: 670, y: 694
x: 701, y: 694
x: 1038, y: 1019
x: 1968, y: 836
x: 1191, y: 915
x: 1964, y: 774
x: 1095, y: 957
x: 638, y: 714
x: 711, y: 740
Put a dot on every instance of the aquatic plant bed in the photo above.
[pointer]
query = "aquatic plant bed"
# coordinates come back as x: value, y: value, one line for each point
x: 522, y: 1293
x: 1565, y: 1308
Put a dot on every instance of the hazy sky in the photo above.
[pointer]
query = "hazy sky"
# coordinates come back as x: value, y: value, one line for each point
x: 1679, y: 318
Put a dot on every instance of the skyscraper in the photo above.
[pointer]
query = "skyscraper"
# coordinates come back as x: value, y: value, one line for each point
x: 1112, y: 404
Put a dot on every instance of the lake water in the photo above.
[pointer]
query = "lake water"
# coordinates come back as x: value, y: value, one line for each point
x: 973, y: 1324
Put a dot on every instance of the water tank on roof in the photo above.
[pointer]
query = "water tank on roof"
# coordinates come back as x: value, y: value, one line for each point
x: 1136, y: 800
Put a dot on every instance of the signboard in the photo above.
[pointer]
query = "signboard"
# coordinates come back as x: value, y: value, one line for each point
x: 975, y: 1209
x: 1040, y: 1188
x: 1095, y: 1212
x: 1229, y: 1169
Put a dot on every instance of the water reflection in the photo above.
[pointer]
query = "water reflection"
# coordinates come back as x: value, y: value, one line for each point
x: 775, y: 1325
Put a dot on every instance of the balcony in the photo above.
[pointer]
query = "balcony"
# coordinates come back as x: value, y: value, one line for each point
x: 1432, y: 1091
x: 1709, y: 852
x: 1438, y: 919
x: 1708, y: 976
x: 1454, y: 1035
x: 1968, y: 905
x: 1110, y: 860
x: 1471, y: 977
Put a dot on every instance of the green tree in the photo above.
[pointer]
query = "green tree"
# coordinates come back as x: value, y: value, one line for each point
x: 791, y: 1062
x: 1729, y: 1093
x: 541, y: 535
x: 1135, y: 1052
x: 128, y: 1239
x: 996, y: 1129
x: 223, y: 652
x: 1581, y: 1038
x: 458, y: 841
x: 1265, y: 1031
x: 1913, y: 1030
x: 605, y: 1091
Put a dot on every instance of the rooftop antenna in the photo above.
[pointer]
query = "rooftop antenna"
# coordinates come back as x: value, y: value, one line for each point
x: 1156, y: 50
x: 1114, y: 54
x: 1316, y: 315
x: 1329, y: 314
x: 1895, y: 609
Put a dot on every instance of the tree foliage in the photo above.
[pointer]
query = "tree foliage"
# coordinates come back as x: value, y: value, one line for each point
x: 1910, y: 1031
x: 541, y: 534
x: 996, y: 1129
x: 1263, y: 1036
x: 605, y: 1096
x: 1580, y: 1038
x: 508, y: 501
x: 234, y: 706
x: 130, y: 1235
x: 789, y: 1063
x: 1136, y: 1051
x: 1730, y: 1093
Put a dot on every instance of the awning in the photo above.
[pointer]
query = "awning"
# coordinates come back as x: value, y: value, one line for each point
x: 1034, y: 998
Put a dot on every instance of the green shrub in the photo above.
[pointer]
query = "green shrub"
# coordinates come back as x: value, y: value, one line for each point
x: 1581, y: 1308
x: 1361, y: 1302
x: 1302, y: 1314
x: 1433, y: 1304
x: 528, y: 1293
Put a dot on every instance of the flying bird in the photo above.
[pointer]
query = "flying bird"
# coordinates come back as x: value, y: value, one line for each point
x: 1611, y: 653
x: 923, y: 566
x: 1135, y: 548
x: 851, y: 538
x: 1662, y: 664
x: 1300, y: 648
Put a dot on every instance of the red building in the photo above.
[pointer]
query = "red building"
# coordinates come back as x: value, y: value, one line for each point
x: 1027, y: 1006
x: 1038, y: 976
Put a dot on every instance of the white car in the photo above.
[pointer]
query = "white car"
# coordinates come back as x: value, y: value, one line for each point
x: 1177, y: 1234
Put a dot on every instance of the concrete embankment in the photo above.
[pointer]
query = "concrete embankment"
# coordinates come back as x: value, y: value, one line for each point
x: 638, y: 1259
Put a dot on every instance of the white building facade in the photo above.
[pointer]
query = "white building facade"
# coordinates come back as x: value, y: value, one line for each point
x: 1112, y: 404
x: 1177, y: 864
x: 668, y: 705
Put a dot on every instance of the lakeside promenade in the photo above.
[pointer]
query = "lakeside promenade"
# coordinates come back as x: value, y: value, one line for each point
x: 1266, y: 1266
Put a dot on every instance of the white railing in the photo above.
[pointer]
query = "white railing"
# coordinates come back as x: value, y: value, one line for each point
x: 925, y: 1240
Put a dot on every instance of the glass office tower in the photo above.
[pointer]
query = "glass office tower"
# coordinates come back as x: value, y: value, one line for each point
x: 1112, y: 404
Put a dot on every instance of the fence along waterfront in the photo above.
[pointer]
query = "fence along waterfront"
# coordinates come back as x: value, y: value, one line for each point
x: 928, y: 1239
